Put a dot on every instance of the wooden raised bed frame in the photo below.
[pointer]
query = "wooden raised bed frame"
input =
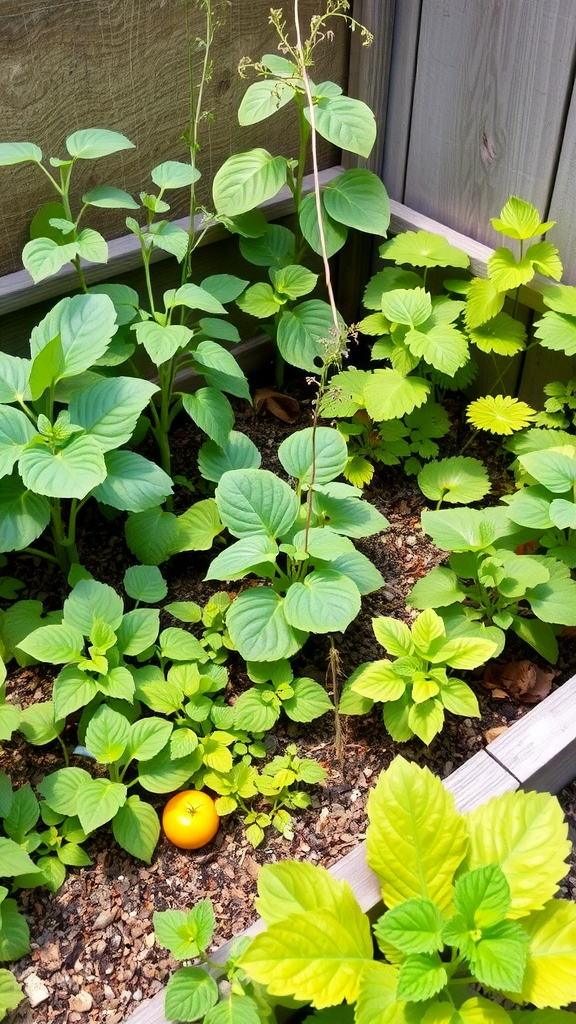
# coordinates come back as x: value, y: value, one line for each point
x: 538, y: 752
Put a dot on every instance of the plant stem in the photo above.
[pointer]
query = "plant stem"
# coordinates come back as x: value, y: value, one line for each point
x: 40, y: 554
x: 332, y: 674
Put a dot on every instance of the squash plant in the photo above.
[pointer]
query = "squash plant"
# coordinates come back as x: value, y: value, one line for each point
x: 469, y: 917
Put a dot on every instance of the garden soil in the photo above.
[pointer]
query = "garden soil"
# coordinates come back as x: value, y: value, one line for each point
x: 94, y: 957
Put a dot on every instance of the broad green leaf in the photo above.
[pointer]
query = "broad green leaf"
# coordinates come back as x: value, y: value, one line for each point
x: 174, y: 174
x: 198, y: 526
x: 423, y: 249
x: 416, y: 838
x: 164, y: 773
x: 198, y: 297
x: 376, y: 1003
x: 318, y: 956
x: 101, y: 800
x: 190, y: 994
x: 136, y: 828
x: 109, y: 198
x: 212, y: 412
x: 349, y: 516
x: 252, y: 501
x: 9, y: 721
x: 221, y: 369
x: 483, y: 302
x: 38, y: 724
x: 426, y: 719
x: 253, y: 713
x: 293, y: 281
x: 24, y: 515
x: 296, y: 887
x: 459, y: 480
x: 457, y: 697
x: 54, y: 644
x: 515, y: 830
x: 557, y: 332
x: 133, y: 483
x: 345, y: 122
x: 237, y: 1009
x: 242, y: 557
x: 262, y: 99
x: 239, y: 452
x: 378, y: 681
x: 394, y: 636
x: 388, y: 280
x: 309, y: 700
x: 439, y: 589
x: 107, y: 735
x: 92, y: 246
x: 63, y: 789
x: 258, y: 626
x: 11, y: 993
x: 443, y: 346
x: 43, y: 257
x: 325, y: 601
x: 421, y: 976
x: 554, y: 469
x: 555, y: 601
x: 358, y: 199
x: 145, y: 583
x: 506, y: 272
x: 502, y: 335
x: 89, y: 601
x: 214, y: 327
x: 273, y: 247
x: 563, y: 514
x: 85, y: 324
x: 109, y: 409
x: 19, y: 153
x: 16, y: 431
x: 70, y: 472
x: 15, y: 861
x: 305, y: 333
x: 171, y: 239
x: 389, y: 395
x: 162, y: 343
x: 152, y: 536
x: 260, y: 301
x: 73, y: 689
x: 519, y: 219
x: 499, y: 414
x: 551, y: 967
x: 247, y: 179
x: 325, y: 458
x: 14, y: 934
x: 499, y: 958
x: 414, y: 926
x: 179, y: 645
x: 335, y: 234
x: 459, y: 529
x: 148, y: 736
x: 14, y: 376
x: 359, y: 569
x: 410, y: 306
x: 93, y: 143
x: 482, y: 896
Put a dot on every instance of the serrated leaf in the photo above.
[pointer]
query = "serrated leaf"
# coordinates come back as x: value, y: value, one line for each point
x: 407, y: 306
x: 101, y: 800
x: 190, y: 994
x: 389, y: 395
x: 416, y: 839
x: 513, y: 830
x: 71, y: 472
x: 551, y: 966
x: 483, y: 302
x: 414, y: 926
x: 501, y: 334
x: 73, y: 689
x: 519, y: 219
x: 506, y: 272
x: 63, y: 789
x: 54, y: 644
x: 107, y: 735
x: 89, y: 601
x: 423, y: 249
x: 421, y: 976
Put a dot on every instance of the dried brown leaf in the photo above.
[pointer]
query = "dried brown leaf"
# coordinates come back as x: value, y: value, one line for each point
x: 282, y: 406
x: 522, y: 680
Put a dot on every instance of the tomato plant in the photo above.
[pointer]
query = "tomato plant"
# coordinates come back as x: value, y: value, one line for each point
x: 190, y: 819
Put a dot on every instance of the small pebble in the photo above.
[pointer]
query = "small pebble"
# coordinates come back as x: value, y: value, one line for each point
x: 36, y: 990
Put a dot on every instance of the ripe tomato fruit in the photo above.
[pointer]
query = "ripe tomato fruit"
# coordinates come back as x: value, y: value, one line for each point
x: 190, y: 819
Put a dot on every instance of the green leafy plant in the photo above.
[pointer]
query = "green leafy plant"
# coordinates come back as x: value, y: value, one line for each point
x: 416, y: 689
x: 547, y: 503
x: 301, y: 546
x: 560, y: 407
x: 355, y: 199
x: 487, y: 581
x: 465, y: 906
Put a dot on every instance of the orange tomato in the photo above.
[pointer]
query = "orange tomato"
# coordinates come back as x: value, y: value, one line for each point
x: 190, y: 819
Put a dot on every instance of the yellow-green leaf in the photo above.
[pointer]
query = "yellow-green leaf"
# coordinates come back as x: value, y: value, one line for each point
x: 525, y: 833
x: 499, y: 414
x: 377, y: 1003
x: 550, y: 977
x: 416, y: 838
x: 294, y: 887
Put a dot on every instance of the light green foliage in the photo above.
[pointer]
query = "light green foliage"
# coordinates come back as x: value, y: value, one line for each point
x: 547, y: 503
x: 301, y: 546
x: 416, y: 688
x: 488, y: 583
x: 453, y: 921
x: 458, y: 480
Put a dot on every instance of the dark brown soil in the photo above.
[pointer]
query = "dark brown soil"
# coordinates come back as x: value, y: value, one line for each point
x: 93, y: 947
